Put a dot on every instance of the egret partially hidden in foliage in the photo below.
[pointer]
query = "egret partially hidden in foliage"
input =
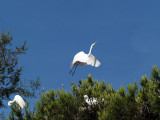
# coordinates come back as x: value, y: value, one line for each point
x: 19, y: 100
x: 90, y: 101
x: 84, y: 59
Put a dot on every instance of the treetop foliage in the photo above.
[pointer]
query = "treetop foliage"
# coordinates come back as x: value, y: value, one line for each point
x: 136, y: 102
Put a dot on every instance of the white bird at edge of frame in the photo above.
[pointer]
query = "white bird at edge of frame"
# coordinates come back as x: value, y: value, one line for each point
x: 90, y: 101
x: 19, y: 100
x: 82, y: 59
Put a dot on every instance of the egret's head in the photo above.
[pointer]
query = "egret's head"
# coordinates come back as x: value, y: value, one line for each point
x: 94, y: 43
x: 9, y: 103
x: 85, y: 97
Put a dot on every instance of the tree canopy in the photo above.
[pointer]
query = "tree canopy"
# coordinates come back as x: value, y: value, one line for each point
x: 136, y: 102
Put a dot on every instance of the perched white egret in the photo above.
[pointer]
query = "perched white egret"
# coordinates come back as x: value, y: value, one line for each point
x: 19, y: 100
x: 84, y: 59
x: 90, y: 101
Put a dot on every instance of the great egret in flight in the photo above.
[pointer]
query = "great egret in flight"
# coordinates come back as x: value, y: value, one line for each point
x: 19, y: 100
x: 90, y: 101
x: 84, y: 59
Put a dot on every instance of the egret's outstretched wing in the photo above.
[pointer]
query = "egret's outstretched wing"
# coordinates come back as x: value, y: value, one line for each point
x: 80, y: 57
x: 93, y: 61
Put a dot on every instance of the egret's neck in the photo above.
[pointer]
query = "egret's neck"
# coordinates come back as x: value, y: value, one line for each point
x: 90, y: 50
x: 10, y: 103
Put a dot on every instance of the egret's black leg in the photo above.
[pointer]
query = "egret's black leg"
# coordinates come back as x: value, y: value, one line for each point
x: 75, y: 69
x: 71, y: 70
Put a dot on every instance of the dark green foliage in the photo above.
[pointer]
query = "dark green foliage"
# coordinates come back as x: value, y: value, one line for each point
x: 17, y: 114
x: 122, y: 105
x: 57, y: 104
x: 131, y: 104
x: 92, y: 88
x: 10, y: 82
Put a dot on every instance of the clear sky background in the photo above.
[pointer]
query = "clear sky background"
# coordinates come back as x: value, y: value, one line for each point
x: 127, y: 35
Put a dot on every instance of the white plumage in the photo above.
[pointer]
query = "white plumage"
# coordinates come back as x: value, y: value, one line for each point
x: 90, y: 101
x: 19, y: 100
x: 84, y: 59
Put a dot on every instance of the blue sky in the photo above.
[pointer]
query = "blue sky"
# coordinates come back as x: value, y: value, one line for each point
x: 128, y: 35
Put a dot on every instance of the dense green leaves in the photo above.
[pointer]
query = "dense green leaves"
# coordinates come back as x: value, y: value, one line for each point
x: 132, y: 103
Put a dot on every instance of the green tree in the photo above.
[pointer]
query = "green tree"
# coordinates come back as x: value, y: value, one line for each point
x: 10, y: 72
x: 132, y: 103
x: 149, y: 96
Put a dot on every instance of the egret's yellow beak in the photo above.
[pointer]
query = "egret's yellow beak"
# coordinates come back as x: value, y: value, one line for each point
x: 94, y: 43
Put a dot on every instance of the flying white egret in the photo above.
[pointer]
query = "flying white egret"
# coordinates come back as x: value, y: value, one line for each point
x: 84, y: 59
x: 90, y: 101
x: 19, y: 100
